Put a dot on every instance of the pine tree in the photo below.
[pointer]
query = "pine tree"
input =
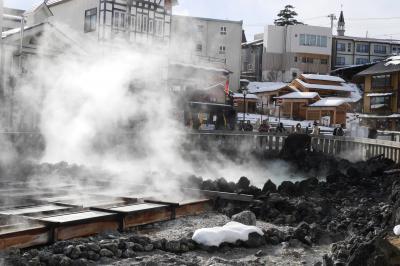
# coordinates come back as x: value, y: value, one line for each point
x: 287, y: 17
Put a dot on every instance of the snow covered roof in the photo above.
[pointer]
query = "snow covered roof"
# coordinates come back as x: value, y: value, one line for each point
x: 379, y: 116
x: 390, y: 65
x: 12, y: 17
x: 329, y: 102
x: 323, y: 77
x: 323, y: 87
x: 379, y: 94
x: 200, y: 67
x: 299, y: 95
x: 393, y: 60
x: 248, y: 96
x: 257, y: 87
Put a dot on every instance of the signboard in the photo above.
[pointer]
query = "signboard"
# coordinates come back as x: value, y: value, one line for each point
x: 279, y: 102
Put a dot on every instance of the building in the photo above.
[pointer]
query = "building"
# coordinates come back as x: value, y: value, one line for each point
x: 310, y: 106
x: 296, y: 49
x: 381, y: 97
x: 208, y: 42
x: 245, y: 104
x: 349, y: 51
x: 252, y: 54
x: 145, y: 21
x: 12, y: 18
x: 324, y: 85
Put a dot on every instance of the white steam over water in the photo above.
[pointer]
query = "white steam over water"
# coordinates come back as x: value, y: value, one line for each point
x: 111, y: 109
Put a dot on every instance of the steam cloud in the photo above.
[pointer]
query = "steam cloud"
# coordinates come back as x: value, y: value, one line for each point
x: 110, y: 108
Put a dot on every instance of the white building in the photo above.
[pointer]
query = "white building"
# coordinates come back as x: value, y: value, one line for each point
x: 12, y: 18
x: 138, y: 21
x: 211, y: 42
x: 292, y: 50
x: 349, y: 51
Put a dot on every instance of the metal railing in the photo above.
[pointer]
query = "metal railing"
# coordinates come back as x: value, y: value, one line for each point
x: 354, y: 148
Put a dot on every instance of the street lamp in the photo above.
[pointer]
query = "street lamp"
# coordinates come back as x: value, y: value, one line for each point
x: 244, y: 91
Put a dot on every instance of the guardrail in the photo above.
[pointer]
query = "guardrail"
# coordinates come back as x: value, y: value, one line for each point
x: 347, y: 147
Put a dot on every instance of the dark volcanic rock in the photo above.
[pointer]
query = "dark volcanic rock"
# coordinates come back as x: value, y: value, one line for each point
x: 245, y: 217
x: 269, y: 186
x: 255, y: 240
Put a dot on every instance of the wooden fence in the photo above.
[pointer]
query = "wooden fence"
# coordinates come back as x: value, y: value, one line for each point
x: 346, y: 147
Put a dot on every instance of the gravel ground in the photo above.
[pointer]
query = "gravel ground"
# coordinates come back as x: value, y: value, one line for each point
x: 287, y: 253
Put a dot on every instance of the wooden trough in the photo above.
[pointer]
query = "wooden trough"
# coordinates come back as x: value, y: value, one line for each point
x: 20, y: 232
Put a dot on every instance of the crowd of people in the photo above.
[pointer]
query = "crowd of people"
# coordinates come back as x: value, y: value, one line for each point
x: 313, y: 129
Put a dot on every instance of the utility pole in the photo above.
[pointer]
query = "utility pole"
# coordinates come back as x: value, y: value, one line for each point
x: 332, y: 18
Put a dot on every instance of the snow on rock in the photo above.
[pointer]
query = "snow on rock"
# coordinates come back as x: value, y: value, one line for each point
x: 229, y: 233
x: 396, y: 230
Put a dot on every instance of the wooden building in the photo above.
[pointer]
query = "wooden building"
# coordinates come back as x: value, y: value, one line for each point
x: 239, y: 103
x: 310, y: 106
x: 381, y: 96
x: 294, y: 105
x: 324, y: 85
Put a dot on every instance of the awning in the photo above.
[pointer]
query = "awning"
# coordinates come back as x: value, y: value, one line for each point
x: 379, y: 94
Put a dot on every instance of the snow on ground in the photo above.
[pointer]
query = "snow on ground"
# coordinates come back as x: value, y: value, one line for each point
x: 229, y: 233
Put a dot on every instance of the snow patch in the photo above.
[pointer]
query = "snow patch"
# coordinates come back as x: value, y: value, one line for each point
x: 323, y: 77
x: 396, y: 230
x: 229, y: 233
x: 257, y: 87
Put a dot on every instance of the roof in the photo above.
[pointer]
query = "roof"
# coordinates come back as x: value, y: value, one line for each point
x: 200, y: 67
x: 257, y: 87
x: 341, y: 17
x: 299, y: 95
x: 379, y: 94
x: 323, y: 87
x: 329, y: 102
x: 248, y: 96
x: 323, y: 77
x: 255, y: 42
x: 390, y: 65
x: 363, y: 39
x: 379, y: 116
x: 208, y: 19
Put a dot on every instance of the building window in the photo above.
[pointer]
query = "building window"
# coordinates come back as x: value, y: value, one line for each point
x: 381, y: 81
x: 139, y: 20
x: 313, y: 40
x: 304, y: 59
x: 133, y: 23
x: 90, y: 20
x: 223, y: 30
x: 295, y: 58
x: 340, y: 61
x: 376, y: 60
x: 249, y: 67
x: 362, y: 61
x: 362, y: 48
x: 324, y: 61
x: 151, y: 26
x: 310, y: 60
x: 222, y: 49
x: 341, y: 47
x: 159, y: 27
x: 349, y: 47
x: 145, y: 23
x: 380, y: 49
x: 199, y: 47
x: 380, y: 102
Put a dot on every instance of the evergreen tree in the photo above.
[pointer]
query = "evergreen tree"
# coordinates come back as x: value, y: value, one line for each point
x: 287, y: 17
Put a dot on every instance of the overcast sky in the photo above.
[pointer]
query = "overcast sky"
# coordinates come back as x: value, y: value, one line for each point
x: 380, y: 18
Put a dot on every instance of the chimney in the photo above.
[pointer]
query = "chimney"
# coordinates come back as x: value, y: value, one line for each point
x: 341, y: 25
